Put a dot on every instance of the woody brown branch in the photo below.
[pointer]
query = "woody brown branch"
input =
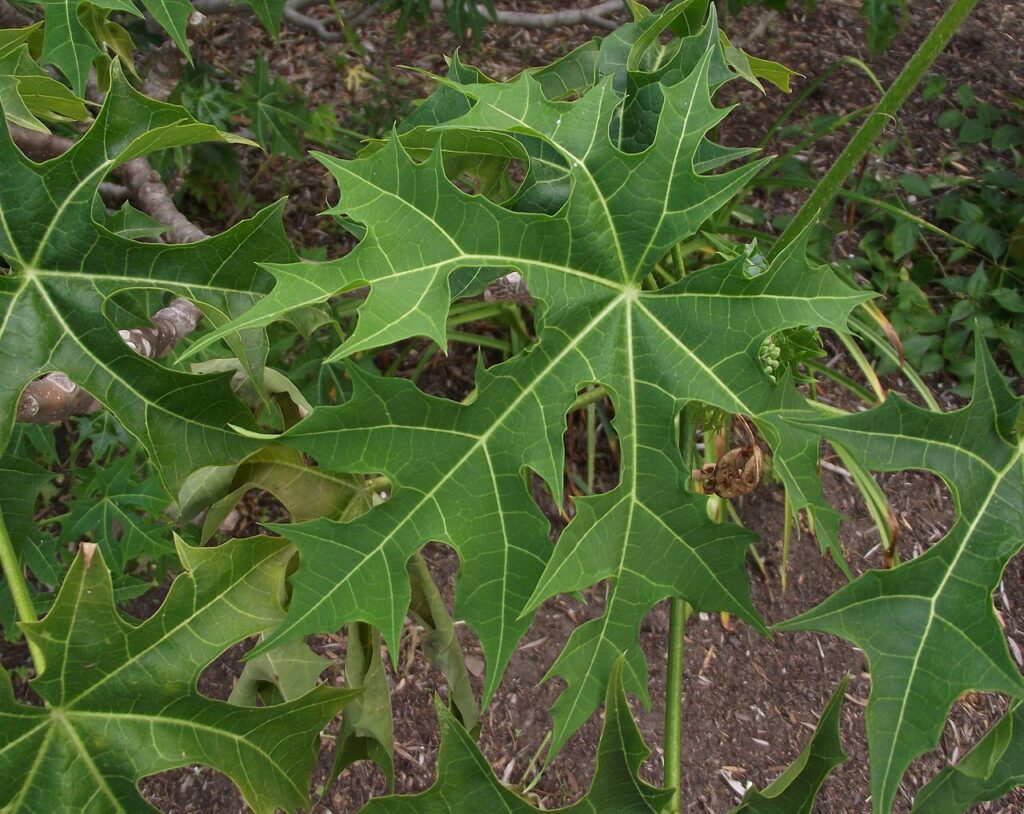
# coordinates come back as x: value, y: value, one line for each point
x: 598, y: 15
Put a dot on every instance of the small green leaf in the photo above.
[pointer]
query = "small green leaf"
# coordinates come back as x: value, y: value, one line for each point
x: 884, y: 20
x: 307, y: 492
x: 973, y: 131
x: 366, y: 726
x: 991, y: 769
x: 934, y: 87
x: 280, y: 675
x: 120, y: 512
x: 467, y: 783
x: 795, y: 790
x: 915, y: 185
x: 28, y: 93
x: 949, y: 119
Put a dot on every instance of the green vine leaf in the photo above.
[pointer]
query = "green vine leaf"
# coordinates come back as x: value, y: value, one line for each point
x: 120, y: 700
x: 928, y: 627
x: 796, y: 789
x: 458, y: 469
x: 466, y: 781
x: 64, y: 266
x: 991, y: 769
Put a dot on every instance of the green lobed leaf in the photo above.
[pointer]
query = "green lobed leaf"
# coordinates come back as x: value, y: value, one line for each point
x: 269, y: 12
x: 120, y: 512
x: 458, y: 469
x: 928, y: 627
x: 120, y: 700
x: 28, y: 93
x: 467, y: 783
x: 796, y: 789
x: 64, y: 267
x: 283, y: 674
x: 366, y: 726
x: 307, y: 492
x: 67, y: 43
x: 278, y: 117
x: 20, y: 482
x: 994, y: 767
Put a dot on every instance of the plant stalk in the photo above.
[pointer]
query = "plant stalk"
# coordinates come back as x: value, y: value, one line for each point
x: 679, y: 612
x: 887, y: 108
x: 19, y: 590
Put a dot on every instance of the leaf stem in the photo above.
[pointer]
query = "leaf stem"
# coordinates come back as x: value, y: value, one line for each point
x: 886, y: 110
x: 679, y: 612
x: 787, y: 535
x: 19, y: 590
x: 587, y: 398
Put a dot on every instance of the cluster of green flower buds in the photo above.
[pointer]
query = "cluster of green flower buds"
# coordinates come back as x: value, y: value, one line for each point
x: 769, y: 354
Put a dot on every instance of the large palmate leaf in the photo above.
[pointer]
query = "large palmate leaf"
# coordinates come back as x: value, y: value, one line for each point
x: 467, y: 783
x: 991, y: 769
x: 64, y: 266
x: 928, y: 628
x: 795, y: 790
x: 121, y: 699
x: 458, y: 468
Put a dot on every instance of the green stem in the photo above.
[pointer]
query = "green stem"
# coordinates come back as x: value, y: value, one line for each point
x: 480, y: 340
x: 883, y: 348
x: 588, y: 397
x: 860, y: 392
x: 472, y: 311
x: 787, y: 533
x: 679, y: 612
x: 888, y: 107
x: 19, y: 590
x: 591, y: 446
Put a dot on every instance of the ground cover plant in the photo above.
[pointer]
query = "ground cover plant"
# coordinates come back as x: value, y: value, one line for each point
x: 564, y: 207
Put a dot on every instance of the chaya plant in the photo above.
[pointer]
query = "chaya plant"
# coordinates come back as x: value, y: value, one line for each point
x: 618, y: 169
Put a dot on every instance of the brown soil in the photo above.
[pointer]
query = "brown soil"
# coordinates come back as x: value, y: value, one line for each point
x: 750, y: 703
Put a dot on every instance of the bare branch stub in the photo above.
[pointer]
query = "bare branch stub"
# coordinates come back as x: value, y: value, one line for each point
x: 55, y: 397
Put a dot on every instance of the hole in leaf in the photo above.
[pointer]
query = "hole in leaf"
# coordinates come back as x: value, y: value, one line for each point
x: 165, y: 790
x: 477, y: 331
x: 218, y: 678
x: 592, y: 458
x: 592, y: 455
x: 911, y: 508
